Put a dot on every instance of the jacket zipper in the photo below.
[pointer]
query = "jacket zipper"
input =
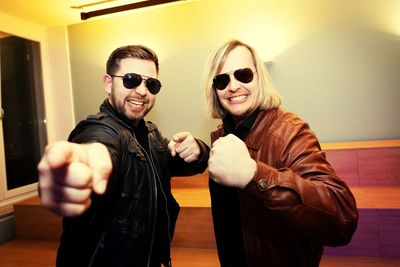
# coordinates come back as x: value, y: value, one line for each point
x: 155, y: 175
x: 99, y: 245
x: 158, y: 179
x: 152, y: 168
x: 158, y: 176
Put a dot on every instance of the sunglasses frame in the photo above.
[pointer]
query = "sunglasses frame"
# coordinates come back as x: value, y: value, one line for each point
x: 129, y: 78
x: 236, y: 74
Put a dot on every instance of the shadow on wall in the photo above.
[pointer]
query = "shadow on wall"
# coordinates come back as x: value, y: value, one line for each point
x: 344, y: 82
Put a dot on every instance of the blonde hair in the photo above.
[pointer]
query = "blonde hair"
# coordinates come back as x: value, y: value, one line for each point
x: 267, y: 95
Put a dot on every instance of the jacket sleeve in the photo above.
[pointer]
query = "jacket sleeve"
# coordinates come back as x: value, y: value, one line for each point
x: 304, y: 192
x: 90, y: 131
x: 93, y: 131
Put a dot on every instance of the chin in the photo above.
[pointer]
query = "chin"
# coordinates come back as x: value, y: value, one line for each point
x: 238, y: 113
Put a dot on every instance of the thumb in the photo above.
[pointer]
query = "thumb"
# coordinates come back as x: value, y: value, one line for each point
x: 172, y: 147
x: 176, y: 140
x: 101, y: 165
x: 180, y: 137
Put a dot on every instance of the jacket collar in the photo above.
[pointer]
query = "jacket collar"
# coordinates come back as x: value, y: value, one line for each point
x: 260, y: 128
x: 242, y: 129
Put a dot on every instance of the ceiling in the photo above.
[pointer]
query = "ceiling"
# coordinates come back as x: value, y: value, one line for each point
x: 42, y: 12
x: 54, y: 12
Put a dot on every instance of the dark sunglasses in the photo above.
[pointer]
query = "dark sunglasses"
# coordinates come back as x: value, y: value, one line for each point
x: 133, y: 80
x: 221, y: 81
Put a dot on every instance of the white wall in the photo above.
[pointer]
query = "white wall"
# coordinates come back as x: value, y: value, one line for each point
x: 335, y: 61
x: 61, y: 85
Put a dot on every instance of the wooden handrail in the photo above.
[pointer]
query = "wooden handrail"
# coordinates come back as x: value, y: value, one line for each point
x: 361, y: 144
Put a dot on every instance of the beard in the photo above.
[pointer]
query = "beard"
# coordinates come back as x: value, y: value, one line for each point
x: 124, y: 111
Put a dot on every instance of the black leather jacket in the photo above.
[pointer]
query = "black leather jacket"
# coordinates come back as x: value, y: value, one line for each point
x: 133, y: 222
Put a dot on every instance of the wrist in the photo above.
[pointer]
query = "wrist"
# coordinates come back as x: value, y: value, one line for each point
x: 250, y: 174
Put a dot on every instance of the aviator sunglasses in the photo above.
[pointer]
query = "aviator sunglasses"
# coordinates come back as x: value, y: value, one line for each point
x: 132, y: 80
x: 221, y: 81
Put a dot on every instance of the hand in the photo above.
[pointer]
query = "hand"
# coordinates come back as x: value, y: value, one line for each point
x: 185, y: 145
x: 230, y: 163
x: 69, y: 172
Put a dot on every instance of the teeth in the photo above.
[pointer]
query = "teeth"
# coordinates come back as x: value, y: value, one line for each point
x: 237, y: 98
x: 136, y: 103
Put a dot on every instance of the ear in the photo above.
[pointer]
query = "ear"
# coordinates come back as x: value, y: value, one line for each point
x: 107, y: 81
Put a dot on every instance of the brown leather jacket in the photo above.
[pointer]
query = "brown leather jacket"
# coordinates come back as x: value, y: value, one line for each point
x: 295, y: 203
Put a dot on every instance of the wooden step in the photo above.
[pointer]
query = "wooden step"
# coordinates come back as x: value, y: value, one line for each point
x: 194, y: 227
x: 36, y: 253
x: 379, y: 222
x: 195, y: 257
x: 33, y: 222
x: 32, y: 253
x: 377, y: 235
x: 378, y: 231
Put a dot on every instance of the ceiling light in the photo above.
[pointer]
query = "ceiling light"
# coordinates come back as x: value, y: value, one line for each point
x: 104, y: 7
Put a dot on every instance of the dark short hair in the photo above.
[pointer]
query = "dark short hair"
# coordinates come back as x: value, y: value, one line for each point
x: 130, y: 51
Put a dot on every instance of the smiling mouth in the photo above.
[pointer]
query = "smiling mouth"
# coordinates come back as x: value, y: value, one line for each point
x: 136, y: 103
x: 237, y: 98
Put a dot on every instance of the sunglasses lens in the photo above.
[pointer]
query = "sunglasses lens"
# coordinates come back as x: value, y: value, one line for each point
x: 131, y: 80
x: 221, y: 81
x: 244, y: 75
x: 153, y: 85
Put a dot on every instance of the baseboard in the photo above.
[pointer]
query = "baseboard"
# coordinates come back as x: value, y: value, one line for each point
x: 7, y: 228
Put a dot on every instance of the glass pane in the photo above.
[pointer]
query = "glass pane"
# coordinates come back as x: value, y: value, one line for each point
x: 24, y: 132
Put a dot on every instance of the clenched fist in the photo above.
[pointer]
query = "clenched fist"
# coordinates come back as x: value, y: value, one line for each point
x: 230, y: 163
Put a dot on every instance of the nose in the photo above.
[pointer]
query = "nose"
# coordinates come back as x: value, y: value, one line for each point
x: 233, y: 85
x: 141, y: 89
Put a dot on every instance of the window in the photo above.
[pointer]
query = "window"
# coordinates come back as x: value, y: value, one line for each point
x: 23, y: 125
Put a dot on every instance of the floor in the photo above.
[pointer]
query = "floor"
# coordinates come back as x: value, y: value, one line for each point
x: 30, y: 253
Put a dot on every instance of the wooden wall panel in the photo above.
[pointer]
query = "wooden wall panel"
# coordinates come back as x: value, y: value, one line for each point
x: 379, y: 166
x: 345, y: 163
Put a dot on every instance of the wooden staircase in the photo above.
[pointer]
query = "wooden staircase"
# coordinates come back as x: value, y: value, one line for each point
x: 371, y: 169
x: 193, y: 240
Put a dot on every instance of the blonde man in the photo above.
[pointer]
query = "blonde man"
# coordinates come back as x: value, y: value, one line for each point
x: 276, y: 200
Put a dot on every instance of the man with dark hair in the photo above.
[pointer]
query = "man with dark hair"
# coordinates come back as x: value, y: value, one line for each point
x: 111, y: 181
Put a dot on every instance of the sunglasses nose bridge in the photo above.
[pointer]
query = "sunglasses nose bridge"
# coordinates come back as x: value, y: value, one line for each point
x: 141, y: 89
x: 233, y: 84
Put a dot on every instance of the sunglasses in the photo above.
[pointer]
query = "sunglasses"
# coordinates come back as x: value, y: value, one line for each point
x: 133, y: 80
x: 221, y: 81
